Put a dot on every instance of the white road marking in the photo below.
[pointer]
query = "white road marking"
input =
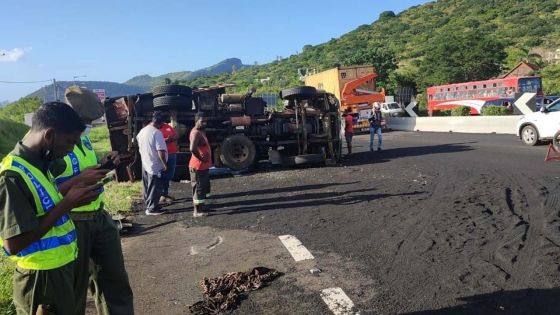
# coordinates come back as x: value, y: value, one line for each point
x: 295, y: 247
x: 337, y: 301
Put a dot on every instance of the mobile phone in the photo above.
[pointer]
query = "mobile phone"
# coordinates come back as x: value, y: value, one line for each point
x: 108, y: 165
x: 107, y: 179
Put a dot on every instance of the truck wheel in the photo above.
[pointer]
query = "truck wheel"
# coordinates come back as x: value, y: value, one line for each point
x: 556, y: 141
x: 308, y: 159
x: 180, y: 102
x: 172, y: 89
x: 300, y: 93
x: 529, y: 135
x: 238, y: 152
x: 144, y: 103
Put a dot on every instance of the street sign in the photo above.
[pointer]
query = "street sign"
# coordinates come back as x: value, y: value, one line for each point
x: 100, y: 94
x: 409, y: 108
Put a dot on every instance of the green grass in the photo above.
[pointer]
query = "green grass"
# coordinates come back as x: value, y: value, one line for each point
x: 100, y: 138
x: 6, y: 271
x: 119, y: 197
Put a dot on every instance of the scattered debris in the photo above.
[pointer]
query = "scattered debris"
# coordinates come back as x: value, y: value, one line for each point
x: 222, y: 293
x: 315, y: 271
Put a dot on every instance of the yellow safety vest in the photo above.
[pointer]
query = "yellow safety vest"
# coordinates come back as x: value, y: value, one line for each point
x: 76, y: 162
x: 56, y: 248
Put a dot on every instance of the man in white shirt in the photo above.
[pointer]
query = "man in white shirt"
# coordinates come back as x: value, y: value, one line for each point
x: 153, y: 152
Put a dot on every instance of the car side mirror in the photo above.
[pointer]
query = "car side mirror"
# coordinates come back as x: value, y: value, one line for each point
x: 544, y: 110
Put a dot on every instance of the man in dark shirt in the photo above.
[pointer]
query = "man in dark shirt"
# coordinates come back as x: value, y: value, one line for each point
x: 35, y: 229
x: 375, y: 127
x: 348, y: 128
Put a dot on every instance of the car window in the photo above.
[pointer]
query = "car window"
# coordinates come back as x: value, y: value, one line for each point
x: 554, y: 107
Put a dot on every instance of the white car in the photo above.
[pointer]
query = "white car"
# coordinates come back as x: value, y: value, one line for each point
x: 541, y: 125
x: 391, y: 109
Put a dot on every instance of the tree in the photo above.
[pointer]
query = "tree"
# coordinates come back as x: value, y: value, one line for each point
x: 460, y: 57
x: 517, y: 55
x: 387, y: 15
x: 381, y: 58
x: 551, y: 79
x: 167, y: 81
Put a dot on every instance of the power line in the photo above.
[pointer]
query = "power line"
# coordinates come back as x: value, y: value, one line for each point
x: 26, y: 81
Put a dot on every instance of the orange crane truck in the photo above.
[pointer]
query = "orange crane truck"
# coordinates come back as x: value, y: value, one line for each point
x: 355, y: 87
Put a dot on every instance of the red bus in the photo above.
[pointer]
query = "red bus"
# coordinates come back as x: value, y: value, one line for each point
x: 477, y: 94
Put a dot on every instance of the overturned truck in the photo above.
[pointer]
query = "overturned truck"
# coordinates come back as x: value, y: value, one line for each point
x: 241, y: 128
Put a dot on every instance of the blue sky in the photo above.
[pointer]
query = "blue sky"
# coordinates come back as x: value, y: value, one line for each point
x: 116, y: 40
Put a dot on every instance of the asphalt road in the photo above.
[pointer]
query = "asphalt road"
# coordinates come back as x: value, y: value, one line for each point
x: 437, y: 223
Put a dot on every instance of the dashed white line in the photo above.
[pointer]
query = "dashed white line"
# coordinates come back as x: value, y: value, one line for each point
x: 295, y: 247
x: 337, y: 301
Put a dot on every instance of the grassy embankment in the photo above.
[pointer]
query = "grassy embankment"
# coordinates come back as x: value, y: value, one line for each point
x: 118, y: 196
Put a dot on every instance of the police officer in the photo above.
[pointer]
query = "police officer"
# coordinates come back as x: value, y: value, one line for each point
x: 35, y: 229
x: 98, y: 237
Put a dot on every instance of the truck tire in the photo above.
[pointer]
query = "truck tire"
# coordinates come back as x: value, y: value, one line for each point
x: 300, y: 93
x: 172, y: 89
x: 530, y: 135
x: 556, y: 141
x: 308, y: 159
x: 238, y: 152
x: 179, y: 102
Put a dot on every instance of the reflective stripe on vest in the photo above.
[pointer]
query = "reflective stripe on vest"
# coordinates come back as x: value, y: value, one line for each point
x: 58, y: 246
x: 77, y: 161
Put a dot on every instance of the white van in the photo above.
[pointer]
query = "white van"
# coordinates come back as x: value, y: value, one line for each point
x: 391, y: 109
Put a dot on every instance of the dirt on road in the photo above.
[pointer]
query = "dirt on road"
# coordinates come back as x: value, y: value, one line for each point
x: 435, y: 224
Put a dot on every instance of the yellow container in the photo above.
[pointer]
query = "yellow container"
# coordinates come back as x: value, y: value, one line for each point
x: 333, y: 80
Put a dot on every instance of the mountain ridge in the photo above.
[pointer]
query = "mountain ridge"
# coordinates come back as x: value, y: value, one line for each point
x: 141, y: 83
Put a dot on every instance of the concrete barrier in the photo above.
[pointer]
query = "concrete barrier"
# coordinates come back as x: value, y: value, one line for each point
x: 466, y: 124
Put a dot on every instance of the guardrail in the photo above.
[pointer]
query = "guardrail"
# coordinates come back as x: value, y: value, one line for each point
x: 466, y: 124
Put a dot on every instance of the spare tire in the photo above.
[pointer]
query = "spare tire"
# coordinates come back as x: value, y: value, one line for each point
x: 300, y: 93
x: 172, y: 89
x: 308, y: 159
x: 238, y: 152
x: 180, y: 102
x: 556, y: 141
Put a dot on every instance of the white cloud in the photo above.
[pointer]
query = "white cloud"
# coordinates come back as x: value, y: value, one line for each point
x: 13, y: 55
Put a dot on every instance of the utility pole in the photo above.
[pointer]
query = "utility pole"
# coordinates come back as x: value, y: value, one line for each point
x: 55, y: 90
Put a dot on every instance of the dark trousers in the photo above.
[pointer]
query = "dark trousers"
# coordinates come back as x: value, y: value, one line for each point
x: 200, y: 182
x: 152, y: 190
x: 44, y: 287
x: 168, y: 174
x: 99, y: 240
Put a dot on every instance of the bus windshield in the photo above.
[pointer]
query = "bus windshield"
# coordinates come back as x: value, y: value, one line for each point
x: 530, y: 85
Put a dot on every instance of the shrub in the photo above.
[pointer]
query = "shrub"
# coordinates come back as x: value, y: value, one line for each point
x: 461, y: 111
x: 439, y: 113
x: 494, y: 111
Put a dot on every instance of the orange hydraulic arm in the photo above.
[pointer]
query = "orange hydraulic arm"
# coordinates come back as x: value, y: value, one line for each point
x: 351, y: 96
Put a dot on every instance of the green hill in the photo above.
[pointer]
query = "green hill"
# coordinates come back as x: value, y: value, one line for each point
x: 16, y: 110
x: 10, y: 133
x: 429, y: 43
x: 111, y: 89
